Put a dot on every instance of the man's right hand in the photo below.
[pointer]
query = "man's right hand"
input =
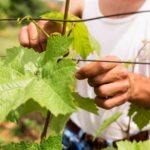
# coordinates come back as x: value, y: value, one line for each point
x: 31, y: 37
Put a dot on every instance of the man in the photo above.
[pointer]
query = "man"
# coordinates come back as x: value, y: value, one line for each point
x: 112, y: 83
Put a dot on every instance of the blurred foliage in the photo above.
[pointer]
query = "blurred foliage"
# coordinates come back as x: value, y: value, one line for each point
x: 21, y: 8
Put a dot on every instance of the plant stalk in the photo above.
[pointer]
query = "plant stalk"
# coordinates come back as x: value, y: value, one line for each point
x: 42, y: 30
x: 65, y: 17
x: 47, y: 121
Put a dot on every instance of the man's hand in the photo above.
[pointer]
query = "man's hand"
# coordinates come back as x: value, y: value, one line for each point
x: 31, y: 37
x: 113, y: 84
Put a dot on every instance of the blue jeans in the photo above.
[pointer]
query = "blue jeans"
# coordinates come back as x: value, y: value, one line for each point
x: 72, y: 141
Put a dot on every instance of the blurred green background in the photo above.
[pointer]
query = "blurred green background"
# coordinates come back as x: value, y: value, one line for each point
x: 20, y: 8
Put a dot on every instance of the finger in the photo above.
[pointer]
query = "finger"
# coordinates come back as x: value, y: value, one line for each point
x: 42, y: 37
x: 117, y: 73
x: 24, y: 37
x: 48, y: 27
x: 95, y: 68
x: 33, y: 37
x: 113, y: 101
x: 112, y: 89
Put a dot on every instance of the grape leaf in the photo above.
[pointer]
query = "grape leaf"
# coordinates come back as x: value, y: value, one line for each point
x: 57, y: 46
x: 106, y: 123
x: 126, y: 145
x: 21, y: 146
x: 13, y: 86
x: 47, y: 97
x: 53, y: 15
x: 49, y: 85
x: 18, y: 57
x: 58, y: 124
x: 26, y: 108
x: 85, y: 103
x: 81, y: 39
x: 137, y: 112
x: 82, y: 42
x: 51, y: 143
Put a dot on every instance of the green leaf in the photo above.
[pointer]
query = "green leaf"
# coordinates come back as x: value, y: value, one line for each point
x: 58, y: 124
x: 85, y: 103
x: 126, y: 145
x: 13, y: 116
x: 53, y: 15
x: 50, y: 86
x: 78, y: 31
x: 57, y: 46
x: 21, y: 146
x: 81, y: 39
x: 13, y: 86
x: 25, y: 109
x: 47, y: 97
x: 137, y: 112
x: 18, y: 57
x: 60, y: 79
x: 52, y: 143
x: 106, y: 123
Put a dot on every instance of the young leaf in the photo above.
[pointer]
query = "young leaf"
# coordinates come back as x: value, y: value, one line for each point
x: 81, y: 39
x: 85, y: 103
x: 57, y: 46
x: 106, y: 123
x: 137, y: 112
x: 78, y: 31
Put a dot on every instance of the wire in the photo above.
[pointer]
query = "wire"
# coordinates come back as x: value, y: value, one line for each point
x: 91, y: 19
x: 109, y: 61
x: 81, y: 20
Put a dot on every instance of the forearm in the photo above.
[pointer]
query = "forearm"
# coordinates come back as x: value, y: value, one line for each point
x: 140, y: 89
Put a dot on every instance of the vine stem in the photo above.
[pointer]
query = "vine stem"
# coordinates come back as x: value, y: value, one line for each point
x: 65, y: 16
x: 42, y: 30
x: 49, y: 115
x: 47, y: 121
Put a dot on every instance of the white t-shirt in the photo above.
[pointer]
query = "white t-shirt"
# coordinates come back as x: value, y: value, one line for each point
x: 123, y: 38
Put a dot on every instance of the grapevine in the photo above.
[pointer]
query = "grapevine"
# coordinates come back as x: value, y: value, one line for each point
x: 46, y: 80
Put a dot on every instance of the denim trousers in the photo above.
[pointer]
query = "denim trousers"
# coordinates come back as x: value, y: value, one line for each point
x: 72, y: 141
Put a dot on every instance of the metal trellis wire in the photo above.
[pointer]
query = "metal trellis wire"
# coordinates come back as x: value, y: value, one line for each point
x: 86, y: 20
